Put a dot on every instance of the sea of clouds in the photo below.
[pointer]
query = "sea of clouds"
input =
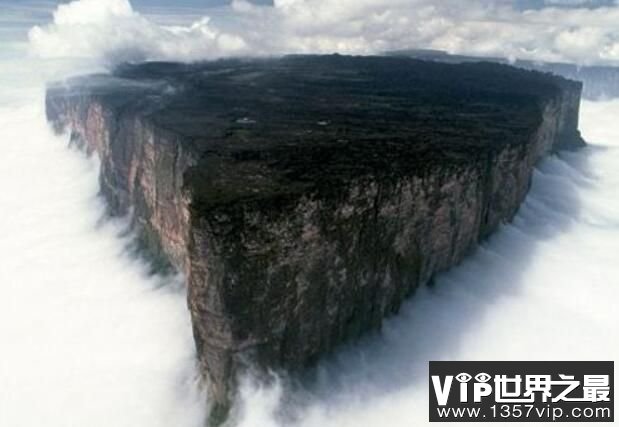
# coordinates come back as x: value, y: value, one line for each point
x: 89, y: 337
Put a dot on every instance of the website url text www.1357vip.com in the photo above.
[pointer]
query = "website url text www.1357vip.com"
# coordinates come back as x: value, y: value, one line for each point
x: 521, y: 391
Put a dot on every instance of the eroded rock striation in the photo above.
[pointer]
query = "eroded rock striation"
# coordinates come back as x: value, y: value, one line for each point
x: 306, y: 197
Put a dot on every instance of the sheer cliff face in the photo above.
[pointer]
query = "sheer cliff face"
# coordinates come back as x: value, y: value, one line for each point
x: 141, y: 172
x: 291, y: 248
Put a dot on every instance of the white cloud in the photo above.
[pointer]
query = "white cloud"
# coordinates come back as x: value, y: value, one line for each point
x: 475, y: 27
x: 112, y: 30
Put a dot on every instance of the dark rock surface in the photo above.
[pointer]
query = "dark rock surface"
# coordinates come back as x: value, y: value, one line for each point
x: 306, y: 197
x: 599, y: 81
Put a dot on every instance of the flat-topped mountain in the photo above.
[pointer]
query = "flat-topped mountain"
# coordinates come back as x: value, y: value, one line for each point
x: 306, y: 197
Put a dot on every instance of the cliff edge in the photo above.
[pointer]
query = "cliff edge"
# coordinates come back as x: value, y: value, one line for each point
x: 306, y: 197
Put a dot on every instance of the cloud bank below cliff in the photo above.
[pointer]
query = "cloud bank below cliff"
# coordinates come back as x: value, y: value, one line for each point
x: 88, y: 337
x: 113, y: 31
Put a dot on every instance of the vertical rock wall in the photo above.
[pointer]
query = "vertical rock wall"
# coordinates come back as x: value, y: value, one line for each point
x: 278, y: 285
x: 275, y: 283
